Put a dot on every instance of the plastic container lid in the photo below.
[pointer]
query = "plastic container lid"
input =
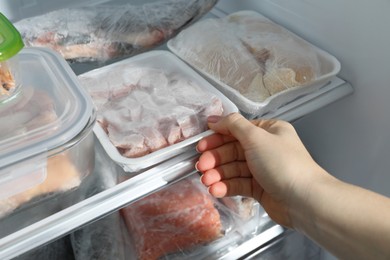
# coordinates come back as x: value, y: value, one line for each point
x: 45, y: 117
x: 10, y: 40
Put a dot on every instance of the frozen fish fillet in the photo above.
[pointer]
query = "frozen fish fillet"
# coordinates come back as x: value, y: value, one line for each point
x: 175, y: 219
x: 109, y: 30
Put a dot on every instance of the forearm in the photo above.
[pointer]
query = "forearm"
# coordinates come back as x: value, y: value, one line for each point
x: 347, y: 220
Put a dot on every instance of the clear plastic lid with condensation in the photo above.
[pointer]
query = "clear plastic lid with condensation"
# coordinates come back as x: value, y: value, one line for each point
x: 43, y: 118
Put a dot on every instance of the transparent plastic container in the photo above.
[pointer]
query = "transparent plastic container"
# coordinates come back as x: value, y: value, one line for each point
x: 46, y: 139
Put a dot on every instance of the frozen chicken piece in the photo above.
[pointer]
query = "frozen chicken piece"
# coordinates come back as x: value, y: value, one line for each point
x: 175, y: 219
x: 248, y: 53
x: 31, y: 110
x: 61, y: 176
x: 110, y: 30
x: 157, y: 109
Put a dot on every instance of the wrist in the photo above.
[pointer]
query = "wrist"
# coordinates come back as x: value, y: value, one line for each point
x: 307, y: 197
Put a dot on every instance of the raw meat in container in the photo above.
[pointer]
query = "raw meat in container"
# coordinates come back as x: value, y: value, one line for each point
x: 176, y: 219
x: 255, y: 62
x: 249, y: 53
x: 46, y: 140
x: 110, y: 30
x: 145, y: 109
x: 33, y: 109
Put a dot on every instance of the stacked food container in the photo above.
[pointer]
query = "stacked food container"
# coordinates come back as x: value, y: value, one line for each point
x: 130, y: 190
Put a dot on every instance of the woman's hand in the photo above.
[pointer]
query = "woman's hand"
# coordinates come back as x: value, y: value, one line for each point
x: 263, y: 159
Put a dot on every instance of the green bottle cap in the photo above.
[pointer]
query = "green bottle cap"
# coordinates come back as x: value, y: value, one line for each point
x: 10, y: 40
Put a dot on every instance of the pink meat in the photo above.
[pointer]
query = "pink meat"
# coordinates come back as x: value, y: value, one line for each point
x: 172, y: 220
x: 162, y: 108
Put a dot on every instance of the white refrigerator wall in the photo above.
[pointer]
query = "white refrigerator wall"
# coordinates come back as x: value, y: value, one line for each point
x: 350, y: 138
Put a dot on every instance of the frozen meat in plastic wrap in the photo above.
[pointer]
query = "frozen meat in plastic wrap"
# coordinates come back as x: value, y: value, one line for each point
x: 251, y: 58
x: 176, y: 219
x: 110, y: 30
x: 145, y: 109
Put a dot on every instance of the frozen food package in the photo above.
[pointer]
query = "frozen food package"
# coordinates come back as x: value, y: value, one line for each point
x: 151, y: 107
x: 100, y: 32
x: 255, y: 62
x: 176, y: 219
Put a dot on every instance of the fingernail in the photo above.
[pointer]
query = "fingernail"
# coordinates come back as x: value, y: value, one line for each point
x: 196, y: 166
x: 213, y: 119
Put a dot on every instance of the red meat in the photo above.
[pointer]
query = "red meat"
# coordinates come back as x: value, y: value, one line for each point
x: 172, y: 220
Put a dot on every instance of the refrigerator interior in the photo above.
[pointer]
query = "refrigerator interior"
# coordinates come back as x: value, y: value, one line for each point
x: 102, y: 195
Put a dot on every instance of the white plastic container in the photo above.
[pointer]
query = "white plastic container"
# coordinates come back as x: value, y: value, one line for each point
x: 46, y: 138
x: 220, y: 47
x: 159, y: 60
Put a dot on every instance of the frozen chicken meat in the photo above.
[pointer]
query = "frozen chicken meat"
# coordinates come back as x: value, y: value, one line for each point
x: 29, y: 111
x: 145, y: 109
x: 249, y: 53
x: 175, y: 219
x: 110, y: 30
x: 62, y: 176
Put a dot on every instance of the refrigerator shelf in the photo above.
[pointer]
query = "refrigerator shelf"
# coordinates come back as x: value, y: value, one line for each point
x: 105, y: 202
x: 329, y: 93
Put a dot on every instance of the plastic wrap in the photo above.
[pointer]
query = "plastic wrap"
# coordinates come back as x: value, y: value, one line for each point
x: 150, y: 106
x: 109, y: 30
x: 252, y: 59
x: 152, y: 110
x: 175, y: 219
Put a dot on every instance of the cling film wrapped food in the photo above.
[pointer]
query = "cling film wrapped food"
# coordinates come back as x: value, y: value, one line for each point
x: 176, y: 219
x: 151, y: 107
x: 251, y: 58
x: 110, y: 30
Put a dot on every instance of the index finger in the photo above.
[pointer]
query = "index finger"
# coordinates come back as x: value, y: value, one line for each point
x: 213, y: 141
x: 232, y: 125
